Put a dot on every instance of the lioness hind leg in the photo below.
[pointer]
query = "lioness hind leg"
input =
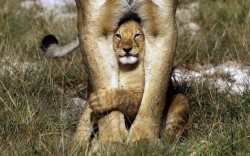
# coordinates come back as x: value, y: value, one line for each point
x: 177, y: 116
x: 84, y: 128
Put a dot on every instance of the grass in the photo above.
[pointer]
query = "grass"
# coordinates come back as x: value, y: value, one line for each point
x: 224, y: 34
x: 33, y: 101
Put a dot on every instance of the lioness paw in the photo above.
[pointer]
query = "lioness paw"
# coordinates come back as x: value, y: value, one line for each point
x: 100, y: 101
x: 141, y: 131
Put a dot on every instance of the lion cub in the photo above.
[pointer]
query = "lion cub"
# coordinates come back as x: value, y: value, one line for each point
x: 123, y: 102
x: 129, y: 47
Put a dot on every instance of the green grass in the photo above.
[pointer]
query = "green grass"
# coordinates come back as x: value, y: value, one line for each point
x: 32, y: 102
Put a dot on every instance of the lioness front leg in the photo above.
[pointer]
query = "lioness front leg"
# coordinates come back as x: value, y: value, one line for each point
x: 161, y: 38
x: 96, y: 24
x: 125, y: 100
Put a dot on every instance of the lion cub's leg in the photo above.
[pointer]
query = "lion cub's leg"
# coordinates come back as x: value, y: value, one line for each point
x: 110, y: 129
x: 125, y: 100
x: 177, y: 116
x: 109, y: 122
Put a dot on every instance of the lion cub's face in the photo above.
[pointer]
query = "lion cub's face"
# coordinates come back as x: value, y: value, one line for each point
x: 129, y: 43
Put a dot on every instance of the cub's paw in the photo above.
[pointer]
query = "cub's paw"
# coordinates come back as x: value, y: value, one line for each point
x: 101, y: 100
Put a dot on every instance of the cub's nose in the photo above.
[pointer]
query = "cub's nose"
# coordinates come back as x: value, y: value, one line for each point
x: 127, y: 50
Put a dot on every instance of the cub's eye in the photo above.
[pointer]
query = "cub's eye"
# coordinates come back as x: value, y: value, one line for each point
x: 137, y: 36
x: 118, y: 36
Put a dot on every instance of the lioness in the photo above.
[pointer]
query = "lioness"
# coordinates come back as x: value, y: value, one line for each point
x: 97, y: 21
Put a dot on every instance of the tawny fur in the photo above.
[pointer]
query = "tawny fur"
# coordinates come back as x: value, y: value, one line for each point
x: 97, y: 21
x: 126, y: 98
x: 177, y: 116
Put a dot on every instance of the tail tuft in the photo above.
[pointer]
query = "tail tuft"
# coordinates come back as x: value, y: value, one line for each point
x: 47, y: 41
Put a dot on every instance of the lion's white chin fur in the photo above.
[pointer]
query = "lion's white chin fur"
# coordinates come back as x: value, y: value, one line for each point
x: 128, y: 59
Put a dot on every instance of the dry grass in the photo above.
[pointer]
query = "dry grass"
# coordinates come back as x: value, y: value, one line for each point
x: 224, y: 34
x: 33, y: 100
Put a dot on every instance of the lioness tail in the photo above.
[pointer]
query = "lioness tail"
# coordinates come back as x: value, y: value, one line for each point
x: 50, y: 47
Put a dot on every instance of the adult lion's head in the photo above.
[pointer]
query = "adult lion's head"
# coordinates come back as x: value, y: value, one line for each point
x: 129, y: 42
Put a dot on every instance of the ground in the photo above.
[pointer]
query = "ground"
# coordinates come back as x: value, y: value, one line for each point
x: 41, y: 98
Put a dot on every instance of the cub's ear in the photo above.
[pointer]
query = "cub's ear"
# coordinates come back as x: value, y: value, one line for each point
x: 47, y: 41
